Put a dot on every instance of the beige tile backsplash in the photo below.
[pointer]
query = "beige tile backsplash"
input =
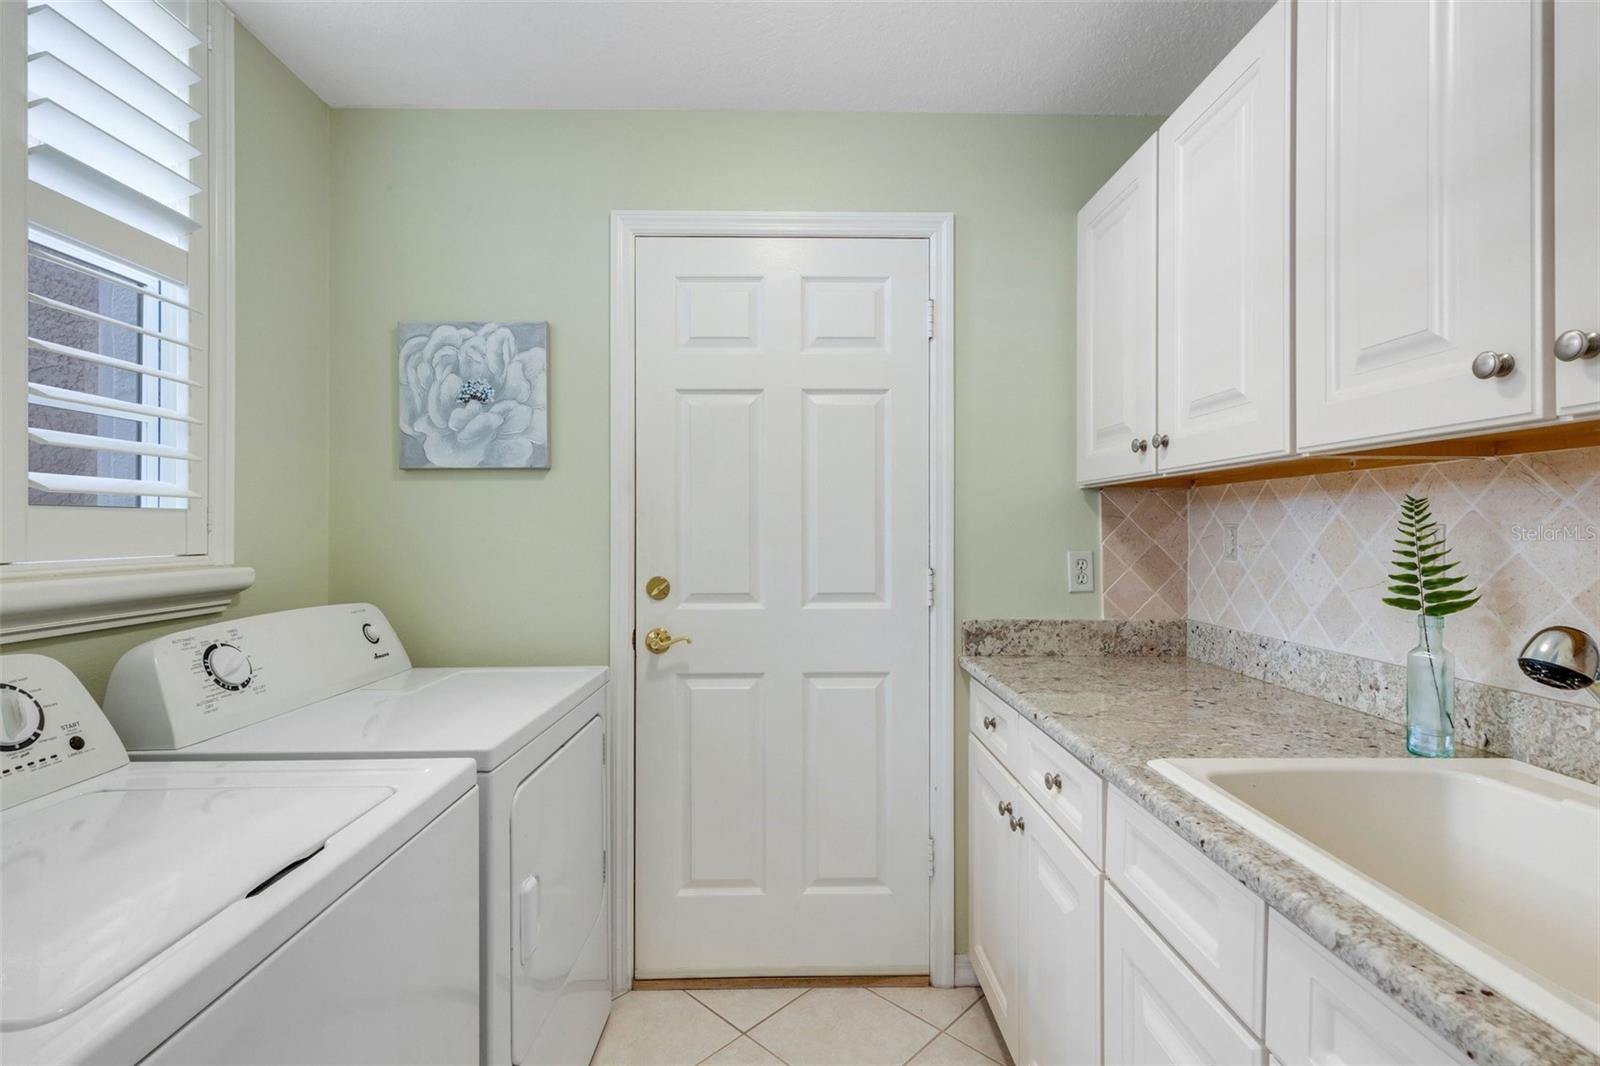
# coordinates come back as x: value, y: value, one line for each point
x: 1312, y: 556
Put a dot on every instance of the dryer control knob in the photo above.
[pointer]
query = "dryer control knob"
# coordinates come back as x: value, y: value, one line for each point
x: 227, y: 666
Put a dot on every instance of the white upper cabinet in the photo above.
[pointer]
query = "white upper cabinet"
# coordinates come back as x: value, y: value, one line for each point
x: 1418, y: 170
x: 1577, y: 201
x: 1117, y: 324
x: 1224, y: 261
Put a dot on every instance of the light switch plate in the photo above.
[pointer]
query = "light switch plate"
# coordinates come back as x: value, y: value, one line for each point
x: 1080, y: 571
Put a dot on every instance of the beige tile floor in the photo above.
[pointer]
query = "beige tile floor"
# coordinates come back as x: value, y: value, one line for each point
x: 801, y: 1027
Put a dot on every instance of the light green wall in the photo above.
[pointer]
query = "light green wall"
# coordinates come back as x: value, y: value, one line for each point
x: 283, y: 346
x: 504, y: 215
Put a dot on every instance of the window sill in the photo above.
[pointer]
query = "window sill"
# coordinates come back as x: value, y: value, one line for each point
x: 38, y: 606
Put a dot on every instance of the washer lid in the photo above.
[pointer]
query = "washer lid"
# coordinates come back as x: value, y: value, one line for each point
x: 103, y: 881
x: 486, y: 714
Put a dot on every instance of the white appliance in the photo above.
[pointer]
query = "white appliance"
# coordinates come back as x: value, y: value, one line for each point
x: 226, y: 913
x: 336, y: 683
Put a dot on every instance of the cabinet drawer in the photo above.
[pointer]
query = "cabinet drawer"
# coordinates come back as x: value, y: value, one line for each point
x: 994, y: 723
x: 1216, y: 924
x: 1156, y: 1010
x: 1068, y: 791
x: 1320, y: 1011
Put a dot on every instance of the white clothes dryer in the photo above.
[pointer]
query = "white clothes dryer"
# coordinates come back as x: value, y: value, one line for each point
x: 336, y: 683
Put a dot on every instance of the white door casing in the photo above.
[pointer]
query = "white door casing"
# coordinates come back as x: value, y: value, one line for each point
x: 1223, y: 362
x: 783, y: 435
x: 1419, y: 162
x: 1117, y: 323
x: 1577, y: 198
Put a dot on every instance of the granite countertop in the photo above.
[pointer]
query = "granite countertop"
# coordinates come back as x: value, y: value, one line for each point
x: 1115, y: 713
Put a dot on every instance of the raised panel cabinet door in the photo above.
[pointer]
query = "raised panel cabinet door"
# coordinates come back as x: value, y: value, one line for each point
x: 1058, y: 980
x: 1117, y: 324
x: 1418, y: 219
x: 1577, y: 200
x: 994, y: 864
x: 1157, y: 1012
x: 1222, y: 365
x: 782, y: 444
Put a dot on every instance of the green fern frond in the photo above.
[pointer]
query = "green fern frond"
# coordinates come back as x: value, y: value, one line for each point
x: 1421, y: 580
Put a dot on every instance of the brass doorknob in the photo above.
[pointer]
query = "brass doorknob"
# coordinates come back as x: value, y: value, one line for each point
x: 659, y: 640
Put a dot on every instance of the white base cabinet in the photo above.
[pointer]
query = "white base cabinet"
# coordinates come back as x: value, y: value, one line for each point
x: 1058, y: 979
x: 1157, y: 1010
x: 1321, y: 1014
x: 1161, y: 958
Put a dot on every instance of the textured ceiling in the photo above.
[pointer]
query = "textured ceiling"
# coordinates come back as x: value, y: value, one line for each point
x: 1083, y: 57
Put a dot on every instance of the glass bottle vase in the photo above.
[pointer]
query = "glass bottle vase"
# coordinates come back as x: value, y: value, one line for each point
x: 1431, y: 693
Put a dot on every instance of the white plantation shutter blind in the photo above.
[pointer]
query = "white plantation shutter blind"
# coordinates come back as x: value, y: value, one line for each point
x: 108, y: 460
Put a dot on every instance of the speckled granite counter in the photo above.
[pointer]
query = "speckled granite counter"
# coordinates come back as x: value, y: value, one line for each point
x: 1116, y: 713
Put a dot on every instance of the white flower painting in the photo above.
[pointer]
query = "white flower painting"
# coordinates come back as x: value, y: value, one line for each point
x: 474, y: 394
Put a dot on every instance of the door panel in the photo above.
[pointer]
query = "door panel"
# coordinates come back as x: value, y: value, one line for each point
x: 1059, y: 974
x: 782, y: 456
x: 1223, y: 363
x: 994, y: 863
x: 1117, y: 323
x: 557, y: 887
x: 1577, y: 151
x: 1417, y: 186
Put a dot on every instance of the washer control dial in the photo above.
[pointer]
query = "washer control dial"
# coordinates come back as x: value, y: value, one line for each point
x: 227, y: 666
x: 21, y: 718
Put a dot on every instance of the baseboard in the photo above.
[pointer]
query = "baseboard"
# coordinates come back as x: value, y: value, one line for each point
x: 657, y: 984
x: 966, y: 976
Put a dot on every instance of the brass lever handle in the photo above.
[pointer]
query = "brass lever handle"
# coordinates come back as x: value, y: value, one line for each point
x: 659, y: 640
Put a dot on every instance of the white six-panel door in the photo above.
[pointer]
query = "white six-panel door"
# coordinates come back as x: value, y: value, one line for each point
x: 1417, y: 190
x: 783, y: 490
x: 1224, y: 381
x: 1117, y: 323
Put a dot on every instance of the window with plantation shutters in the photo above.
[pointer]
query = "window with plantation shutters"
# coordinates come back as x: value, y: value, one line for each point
x: 115, y: 313
x: 107, y: 412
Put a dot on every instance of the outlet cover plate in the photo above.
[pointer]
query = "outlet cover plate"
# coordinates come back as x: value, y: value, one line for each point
x: 1080, y: 571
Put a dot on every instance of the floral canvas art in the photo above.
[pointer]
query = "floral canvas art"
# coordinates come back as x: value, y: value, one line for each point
x: 474, y: 394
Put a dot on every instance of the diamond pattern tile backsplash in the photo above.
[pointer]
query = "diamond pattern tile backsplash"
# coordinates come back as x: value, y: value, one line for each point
x: 1144, y: 553
x: 1311, y: 556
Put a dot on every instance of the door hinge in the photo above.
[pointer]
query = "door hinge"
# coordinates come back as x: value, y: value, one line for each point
x: 602, y: 867
x: 930, y: 857
x: 930, y: 586
x: 930, y: 320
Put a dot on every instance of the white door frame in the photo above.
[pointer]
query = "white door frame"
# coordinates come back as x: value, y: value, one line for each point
x: 939, y: 231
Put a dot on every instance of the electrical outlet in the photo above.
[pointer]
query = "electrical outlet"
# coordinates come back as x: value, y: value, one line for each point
x: 1080, y: 571
x: 1231, y: 550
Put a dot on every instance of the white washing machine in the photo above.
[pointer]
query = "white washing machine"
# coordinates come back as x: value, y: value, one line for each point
x: 226, y: 913
x: 336, y: 683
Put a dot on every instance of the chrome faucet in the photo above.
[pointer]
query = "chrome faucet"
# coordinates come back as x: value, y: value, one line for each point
x: 1562, y: 657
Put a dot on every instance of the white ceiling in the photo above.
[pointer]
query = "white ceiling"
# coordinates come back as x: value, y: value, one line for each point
x: 1085, y: 57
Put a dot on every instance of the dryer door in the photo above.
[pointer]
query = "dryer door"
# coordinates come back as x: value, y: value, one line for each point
x: 558, y: 837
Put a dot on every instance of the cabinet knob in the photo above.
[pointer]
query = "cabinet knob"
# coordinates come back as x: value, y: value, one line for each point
x: 1052, y: 781
x: 989, y: 722
x: 1160, y: 440
x: 1493, y: 365
x: 1575, y: 344
x: 1017, y: 824
x: 1005, y: 809
x: 1139, y: 445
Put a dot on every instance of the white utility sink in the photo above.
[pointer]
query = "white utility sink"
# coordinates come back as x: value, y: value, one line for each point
x: 1494, y: 864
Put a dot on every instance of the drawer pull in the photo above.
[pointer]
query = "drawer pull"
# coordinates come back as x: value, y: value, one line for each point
x: 1018, y: 825
x: 1052, y: 781
x: 989, y: 722
x: 1005, y: 809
